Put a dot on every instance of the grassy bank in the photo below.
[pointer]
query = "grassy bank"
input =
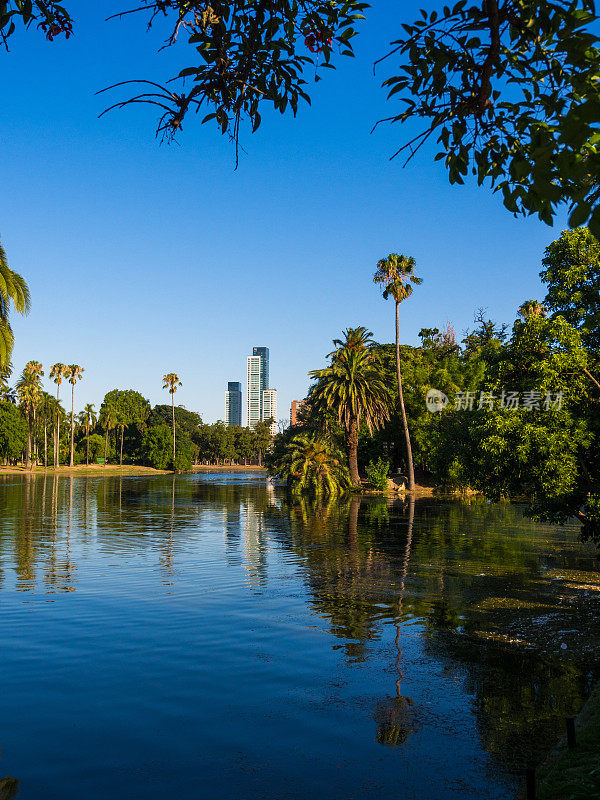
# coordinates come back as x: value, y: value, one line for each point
x: 575, y: 774
x: 228, y: 468
x: 81, y: 469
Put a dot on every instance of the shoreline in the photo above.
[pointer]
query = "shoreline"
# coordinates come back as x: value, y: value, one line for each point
x: 82, y: 469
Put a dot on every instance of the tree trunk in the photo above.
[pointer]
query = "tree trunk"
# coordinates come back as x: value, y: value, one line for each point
x: 45, y: 443
x: 87, y: 449
x: 409, y: 458
x: 122, y: 431
x: 28, y: 462
x: 105, y: 445
x: 352, y: 441
x: 72, y: 420
x: 57, y: 448
x: 173, y: 409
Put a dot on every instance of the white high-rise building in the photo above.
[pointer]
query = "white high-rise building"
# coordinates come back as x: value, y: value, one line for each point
x: 269, y: 408
x: 258, y: 381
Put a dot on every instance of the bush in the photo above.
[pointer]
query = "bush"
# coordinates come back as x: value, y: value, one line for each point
x: 377, y: 474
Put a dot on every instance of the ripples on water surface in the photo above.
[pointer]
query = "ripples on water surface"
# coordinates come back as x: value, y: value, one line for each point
x: 199, y: 636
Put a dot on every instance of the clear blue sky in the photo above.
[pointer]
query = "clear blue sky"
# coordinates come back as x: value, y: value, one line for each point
x: 144, y: 259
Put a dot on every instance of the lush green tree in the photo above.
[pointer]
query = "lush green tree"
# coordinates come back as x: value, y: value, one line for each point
x: 171, y: 382
x: 185, y: 453
x: 13, y: 432
x: 312, y: 464
x: 572, y: 274
x: 351, y: 387
x: 108, y: 417
x: 262, y: 438
x: 244, y: 443
x: 157, y: 446
x: 13, y: 289
x: 396, y: 274
x: 73, y: 374
x: 94, y: 447
x: 131, y: 408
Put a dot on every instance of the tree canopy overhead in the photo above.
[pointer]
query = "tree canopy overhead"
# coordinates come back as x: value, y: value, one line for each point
x: 507, y: 88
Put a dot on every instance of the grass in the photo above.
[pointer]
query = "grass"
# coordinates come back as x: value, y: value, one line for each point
x: 81, y: 469
x: 575, y: 774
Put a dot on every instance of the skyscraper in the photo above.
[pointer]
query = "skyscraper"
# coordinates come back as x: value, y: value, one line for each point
x: 270, y: 408
x: 233, y: 403
x: 258, y: 381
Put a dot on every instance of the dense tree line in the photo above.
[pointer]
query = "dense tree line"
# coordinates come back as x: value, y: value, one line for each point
x: 35, y: 429
x: 509, y: 411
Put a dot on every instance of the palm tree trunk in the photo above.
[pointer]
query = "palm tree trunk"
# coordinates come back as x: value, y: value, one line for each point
x: 87, y: 449
x: 122, y: 431
x: 45, y: 443
x: 105, y: 445
x: 352, y: 442
x: 409, y: 458
x: 173, y: 410
x: 72, y: 421
x: 57, y: 448
x: 28, y: 462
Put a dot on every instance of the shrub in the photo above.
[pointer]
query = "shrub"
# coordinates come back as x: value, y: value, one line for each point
x: 377, y: 474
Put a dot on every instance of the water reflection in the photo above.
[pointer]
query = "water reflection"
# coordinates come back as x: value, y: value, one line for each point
x: 423, y: 593
x: 9, y: 788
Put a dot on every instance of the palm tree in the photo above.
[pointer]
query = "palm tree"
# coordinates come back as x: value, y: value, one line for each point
x: 311, y: 463
x: 531, y: 308
x: 29, y: 387
x: 57, y: 373
x: 73, y: 374
x: 48, y: 413
x: 396, y: 273
x: 12, y: 288
x: 171, y: 382
x: 352, y: 388
x: 88, y: 420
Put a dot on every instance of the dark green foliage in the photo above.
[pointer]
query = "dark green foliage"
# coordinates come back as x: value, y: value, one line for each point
x: 377, y: 474
x: 157, y: 446
x: 184, y: 452
x: 510, y: 93
x: 13, y: 431
x: 312, y: 464
x: 185, y: 420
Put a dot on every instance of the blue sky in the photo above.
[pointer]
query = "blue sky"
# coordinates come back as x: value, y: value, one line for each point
x: 144, y: 259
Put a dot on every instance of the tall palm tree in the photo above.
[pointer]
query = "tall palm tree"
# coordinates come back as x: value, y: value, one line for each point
x: 48, y: 411
x: 396, y: 274
x: 12, y: 289
x: 88, y: 420
x: 171, y: 382
x: 352, y: 388
x: 29, y: 388
x: 57, y: 373
x: 73, y: 374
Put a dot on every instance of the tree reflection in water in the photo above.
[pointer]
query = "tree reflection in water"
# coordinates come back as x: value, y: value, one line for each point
x: 9, y: 788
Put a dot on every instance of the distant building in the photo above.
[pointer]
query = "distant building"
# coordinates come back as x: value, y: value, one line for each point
x: 296, y: 406
x: 258, y: 381
x: 270, y: 408
x: 233, y: 403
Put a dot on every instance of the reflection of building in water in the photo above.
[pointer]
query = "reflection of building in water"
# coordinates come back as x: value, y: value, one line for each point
x: 255, y: 542
x: 232, y: 529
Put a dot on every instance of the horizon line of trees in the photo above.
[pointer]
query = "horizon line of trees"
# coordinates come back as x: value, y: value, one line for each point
x: 35, y: 428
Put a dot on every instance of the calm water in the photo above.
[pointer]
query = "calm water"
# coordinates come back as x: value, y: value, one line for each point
x: 201, y: 637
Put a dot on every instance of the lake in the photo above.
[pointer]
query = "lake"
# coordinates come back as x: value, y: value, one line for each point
x: 204, y: 636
